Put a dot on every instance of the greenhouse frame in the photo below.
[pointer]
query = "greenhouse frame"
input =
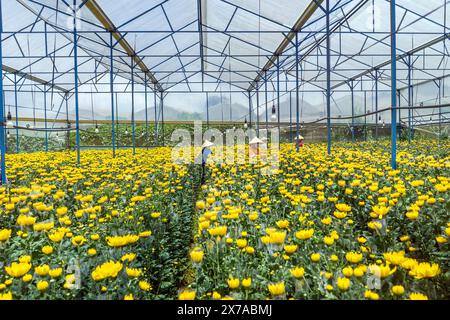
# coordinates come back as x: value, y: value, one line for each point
x: 251, y: 150
x: 227, y: 46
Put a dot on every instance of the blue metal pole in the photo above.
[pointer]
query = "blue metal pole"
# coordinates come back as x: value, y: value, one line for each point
x: 2, y: 115
x: 66, y: 97
x: 162, y: 118
x: 146, y: 110
x: 45, y: 118
x: 156, y: 119
x: 117, y: 121
x: 6, y: 131
x: 440, y: 108
x: 133, y: 133
x: 399, y: 119
x: 376, y: 104
x: 17, y: 113
x: 393, y: 87
x: 353, y: 110
x: 75, y: 54
x: 111, y: 89
x: 328, y: 76
x: 297, y: 94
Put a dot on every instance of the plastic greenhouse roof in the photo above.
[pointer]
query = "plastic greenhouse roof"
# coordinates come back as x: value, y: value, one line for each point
x: 222, y: 45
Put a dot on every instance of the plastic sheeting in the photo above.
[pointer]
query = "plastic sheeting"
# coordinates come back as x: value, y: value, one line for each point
x: 238, y: 36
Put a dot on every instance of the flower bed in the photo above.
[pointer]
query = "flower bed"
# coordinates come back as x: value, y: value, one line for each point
x: 340, y: 227
x: 116, y: 228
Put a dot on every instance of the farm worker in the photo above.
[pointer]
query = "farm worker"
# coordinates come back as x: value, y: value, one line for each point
x: 206, y: 151
x: 299, y: 140
x: 254, y: 147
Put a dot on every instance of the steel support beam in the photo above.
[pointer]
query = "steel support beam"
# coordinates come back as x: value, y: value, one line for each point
x: 377, y: 116
x: 2, y: 110
x: 399, y: 119
x: 17, y: 113
x: 397, y: 58
x: 133, y: 129
x: 156, y: 118
x: 200, y: 19
x: 301, y: 21
x: 98, y: 12
x: 352, y: 88
x: 297, y: 93
x: 75, y: 60
x: 45, y: 118
x: 441, y: 89
x: 33, y: 78
x: 146, y: 110
x: 111, y: 87
x: 393, y: 87
x: 117, y: 119
x: 328, y: 93
x: 162, y: 118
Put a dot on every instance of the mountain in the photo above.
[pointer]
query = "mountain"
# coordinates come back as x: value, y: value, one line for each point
x: 85, y: 114
x: 170, y: 114
x: 219, y: 112
x: 343, y: 107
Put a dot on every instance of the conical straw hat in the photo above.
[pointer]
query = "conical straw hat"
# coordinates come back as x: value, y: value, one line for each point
x: 207, y: 144
x: 300, y: 138
x: 256, y: 140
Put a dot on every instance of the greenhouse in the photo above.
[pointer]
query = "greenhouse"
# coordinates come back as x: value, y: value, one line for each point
x: 224, y: 149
